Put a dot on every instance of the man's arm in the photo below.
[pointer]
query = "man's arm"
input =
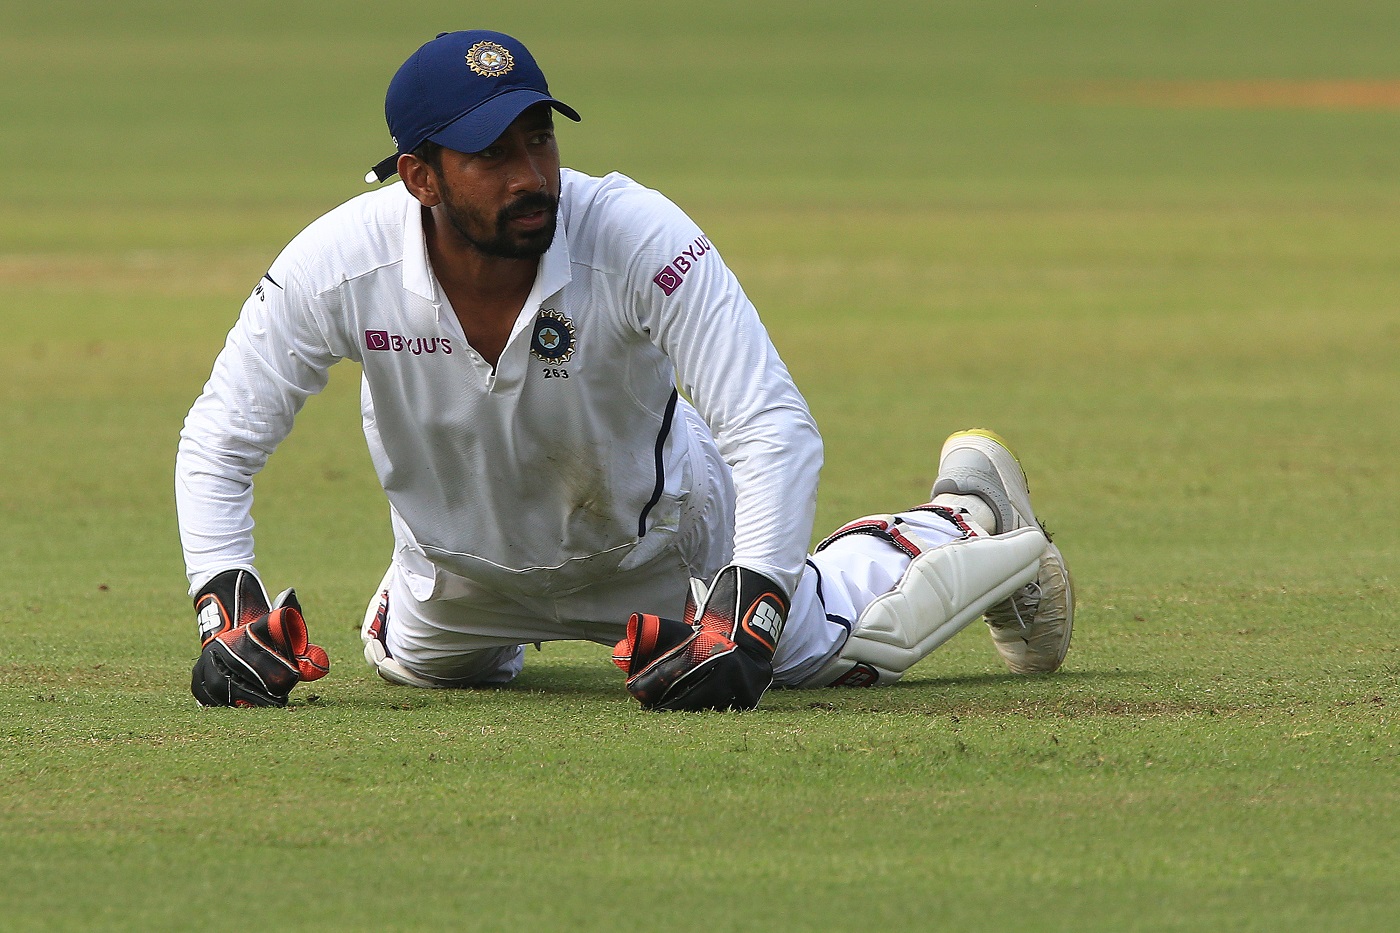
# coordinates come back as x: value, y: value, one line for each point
x: 252, y: 653
x: 274, y: 359
x: 693, y: 307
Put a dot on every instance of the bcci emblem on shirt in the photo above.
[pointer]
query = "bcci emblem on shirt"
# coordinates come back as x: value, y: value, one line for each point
x: 553, y: 339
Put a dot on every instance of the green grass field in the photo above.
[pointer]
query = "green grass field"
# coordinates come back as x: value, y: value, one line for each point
x: 1185, y: 316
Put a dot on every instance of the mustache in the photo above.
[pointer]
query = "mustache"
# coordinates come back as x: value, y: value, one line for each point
x: 529, y: 204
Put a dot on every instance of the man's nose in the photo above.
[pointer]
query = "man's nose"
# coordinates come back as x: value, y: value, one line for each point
x: 526, y: 173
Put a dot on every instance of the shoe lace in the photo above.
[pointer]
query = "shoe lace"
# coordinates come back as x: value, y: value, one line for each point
x: 1023, y: 606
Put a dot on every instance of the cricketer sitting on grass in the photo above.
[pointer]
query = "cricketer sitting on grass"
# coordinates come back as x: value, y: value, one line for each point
x: 522, y: 330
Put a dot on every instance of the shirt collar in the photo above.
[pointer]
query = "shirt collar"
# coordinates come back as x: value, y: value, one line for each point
x: 554, y: 273
x: 555, y: 268
x: 417, y: 271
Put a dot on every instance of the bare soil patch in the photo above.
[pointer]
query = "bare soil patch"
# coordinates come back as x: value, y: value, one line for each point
x: 1249, y: 95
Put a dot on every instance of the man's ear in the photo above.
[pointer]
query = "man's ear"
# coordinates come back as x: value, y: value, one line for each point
x: 420, y: 180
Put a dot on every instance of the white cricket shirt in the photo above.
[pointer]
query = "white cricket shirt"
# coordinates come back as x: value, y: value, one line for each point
x: 560, y: 467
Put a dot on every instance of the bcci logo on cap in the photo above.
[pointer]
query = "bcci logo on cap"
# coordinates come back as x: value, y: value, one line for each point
x: 490, y: 59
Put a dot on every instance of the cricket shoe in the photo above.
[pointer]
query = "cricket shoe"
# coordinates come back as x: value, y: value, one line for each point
x: 1031, y: 629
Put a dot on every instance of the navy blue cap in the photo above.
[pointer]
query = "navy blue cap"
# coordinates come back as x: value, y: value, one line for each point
x: 461, y: 91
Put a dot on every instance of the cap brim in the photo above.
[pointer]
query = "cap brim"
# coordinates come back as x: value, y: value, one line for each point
x: 475, y: 130
x: 479, y: 127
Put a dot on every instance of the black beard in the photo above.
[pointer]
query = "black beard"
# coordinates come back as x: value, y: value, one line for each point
x: 504, y: 245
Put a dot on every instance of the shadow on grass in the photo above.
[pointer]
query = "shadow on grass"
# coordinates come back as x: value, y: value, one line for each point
x: 1066, y: 694
x: 559, y: 680
x: 564, y: 680
x: 1006, y: 677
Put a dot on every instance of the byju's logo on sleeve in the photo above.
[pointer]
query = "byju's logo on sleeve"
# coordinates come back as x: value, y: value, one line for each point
x: 669, y: 279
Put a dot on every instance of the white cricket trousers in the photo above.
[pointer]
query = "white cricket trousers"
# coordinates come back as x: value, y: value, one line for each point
x: 463, y: 637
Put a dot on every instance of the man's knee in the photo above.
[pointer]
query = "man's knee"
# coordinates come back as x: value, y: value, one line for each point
x: 439, y: 667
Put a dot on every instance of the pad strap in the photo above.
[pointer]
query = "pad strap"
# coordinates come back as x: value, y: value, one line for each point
x: 887, y: 528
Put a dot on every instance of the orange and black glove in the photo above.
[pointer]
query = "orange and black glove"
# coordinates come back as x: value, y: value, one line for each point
x: 720, y: 657
x: 253, y: 654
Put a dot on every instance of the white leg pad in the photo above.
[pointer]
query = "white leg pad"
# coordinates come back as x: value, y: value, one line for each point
x: 392, y: 670
x: 943, y: 590
x: 375, y: 655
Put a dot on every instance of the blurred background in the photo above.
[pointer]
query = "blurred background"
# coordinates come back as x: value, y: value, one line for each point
x: 1073, y: 222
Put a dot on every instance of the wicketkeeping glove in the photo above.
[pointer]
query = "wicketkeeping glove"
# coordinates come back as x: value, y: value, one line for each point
x: 720, y: 657
x: 253, y: 654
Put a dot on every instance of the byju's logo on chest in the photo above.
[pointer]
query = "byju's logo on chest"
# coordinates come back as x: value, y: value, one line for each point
x: 382, y: 340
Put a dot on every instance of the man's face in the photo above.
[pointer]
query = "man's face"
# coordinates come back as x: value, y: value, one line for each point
x: 504, y: 200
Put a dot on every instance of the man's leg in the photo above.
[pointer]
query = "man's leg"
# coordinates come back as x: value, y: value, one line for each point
x: 905, y: 584
x: 1032, y: 629
x: 885, y: 591
x: 419, y: 644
